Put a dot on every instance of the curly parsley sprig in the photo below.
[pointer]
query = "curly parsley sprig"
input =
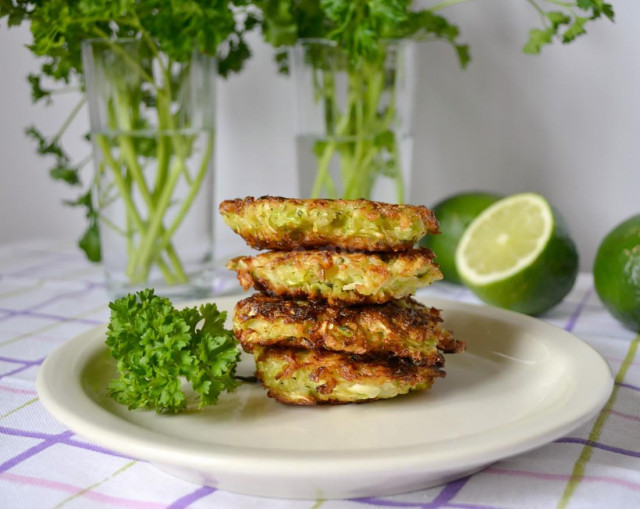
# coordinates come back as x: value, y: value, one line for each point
x: 157, y: 347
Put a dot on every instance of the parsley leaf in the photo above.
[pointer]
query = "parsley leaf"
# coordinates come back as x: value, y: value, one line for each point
x: 357, y: 26
x: 58, y: 28
x: 564, y: 25
x: 158, y: 347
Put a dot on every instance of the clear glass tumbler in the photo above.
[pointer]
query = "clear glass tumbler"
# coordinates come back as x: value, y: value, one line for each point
x: 152, y: 128
x: 353, y: 120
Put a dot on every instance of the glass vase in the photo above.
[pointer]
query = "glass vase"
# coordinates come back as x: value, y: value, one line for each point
x: 353, y: 120
x: 152, y: 129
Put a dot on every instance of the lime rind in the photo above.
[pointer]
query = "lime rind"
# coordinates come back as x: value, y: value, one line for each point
x: 474, y: 275
x: 616, y: 272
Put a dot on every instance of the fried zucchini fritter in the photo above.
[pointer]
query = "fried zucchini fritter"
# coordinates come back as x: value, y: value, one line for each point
x: 309, y: 377
x: 285, y: 224
x: 338, y: 277
x: 403, y: 328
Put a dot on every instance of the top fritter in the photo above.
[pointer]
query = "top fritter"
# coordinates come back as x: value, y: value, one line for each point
x: 355, y: 225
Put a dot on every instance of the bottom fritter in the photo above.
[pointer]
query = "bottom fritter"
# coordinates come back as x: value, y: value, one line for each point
x: 309, y: 377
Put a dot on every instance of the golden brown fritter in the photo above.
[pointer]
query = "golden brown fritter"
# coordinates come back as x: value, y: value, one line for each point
x: 286, y: 224
x: 402, y: 328
x: 309, y: 377
x: 338, y: 277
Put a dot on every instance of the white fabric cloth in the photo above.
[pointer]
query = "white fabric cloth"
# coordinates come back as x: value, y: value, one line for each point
x: 50, y: 294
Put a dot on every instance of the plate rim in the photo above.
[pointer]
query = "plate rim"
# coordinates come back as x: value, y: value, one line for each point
x: 146, y: 444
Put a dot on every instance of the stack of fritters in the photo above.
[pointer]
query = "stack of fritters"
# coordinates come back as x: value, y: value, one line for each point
x: 333, y: 321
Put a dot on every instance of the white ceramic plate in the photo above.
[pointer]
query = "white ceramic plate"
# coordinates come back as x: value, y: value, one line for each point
x: 521, y: 383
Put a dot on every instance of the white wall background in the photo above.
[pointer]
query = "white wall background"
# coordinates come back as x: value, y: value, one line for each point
x: 565, y: 124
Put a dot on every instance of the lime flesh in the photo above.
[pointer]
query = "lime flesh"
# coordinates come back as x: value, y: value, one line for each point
x: 454, y: 214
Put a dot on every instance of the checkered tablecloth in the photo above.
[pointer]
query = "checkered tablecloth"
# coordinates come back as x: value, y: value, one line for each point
x: 49, y: 294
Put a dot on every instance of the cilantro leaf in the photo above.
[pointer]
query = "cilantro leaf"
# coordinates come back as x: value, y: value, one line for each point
x: 157, y: 347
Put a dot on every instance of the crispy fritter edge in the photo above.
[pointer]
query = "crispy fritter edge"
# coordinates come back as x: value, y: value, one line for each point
x: 391, y: 210
x: 411, y: 314
x: 402, y: 370
x: 325, y: 259
x: 284, y: 242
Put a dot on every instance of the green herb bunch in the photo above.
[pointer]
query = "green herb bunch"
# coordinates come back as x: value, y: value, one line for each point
x: 166, y: 27
x: 363, y: 134
x: 363, y: 36
x: 158, y: 348
x: 357, y: 26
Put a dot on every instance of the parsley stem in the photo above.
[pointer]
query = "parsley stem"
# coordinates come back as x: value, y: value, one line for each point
x: 362, y: 134
x: 539, y: 10
x: 125, y: 193
x: 69, y: 120
x: 323, y: 176
x: 566, y: 5
x: 129, y: 153
x: 149, y: 40
x: 172, y: 151
x: 132, y: 61
x: 444, y: 4
x: 83, y: 162
x: 145, y: 252
x: 125, y: 233
x: 191, y: 195
x: 399, y: 178
x: 64, y: 90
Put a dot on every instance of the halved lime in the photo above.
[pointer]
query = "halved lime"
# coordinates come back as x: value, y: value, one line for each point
x: 518, y: 255
x: 454, y: 214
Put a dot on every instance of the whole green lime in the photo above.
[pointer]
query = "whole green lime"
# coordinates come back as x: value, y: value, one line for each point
x: 616, y: 272
x: 454, y: 214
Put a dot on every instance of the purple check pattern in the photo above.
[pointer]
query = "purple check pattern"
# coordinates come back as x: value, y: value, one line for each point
x: 49, y: 294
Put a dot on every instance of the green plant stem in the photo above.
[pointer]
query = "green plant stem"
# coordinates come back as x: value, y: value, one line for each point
x: 123, y: 122
x: 398, y: 174
x: 65, y: 125
x: 540, y: 11
x: 193, y: 191
x: 566, y: 5
x: 323, y: 177
x: 132, y: 211
x: 446, y: 3
x: 171, y: 153
x: 129, y: 59
x: 163, y: 154
x: 139, y: 269
x: 152, y: 45
x: 116, y: 229
x: 356, y: 136
x: 145, y: 252
x: 324, y: 91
